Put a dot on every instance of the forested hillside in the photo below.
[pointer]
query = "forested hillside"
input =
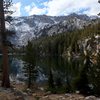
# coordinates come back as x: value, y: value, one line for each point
x: 79, y: 42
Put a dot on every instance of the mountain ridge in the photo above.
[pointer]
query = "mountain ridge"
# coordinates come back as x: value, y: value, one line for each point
x: 34, y: 26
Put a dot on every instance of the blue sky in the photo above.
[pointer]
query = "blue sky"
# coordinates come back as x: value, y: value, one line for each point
x: 55, y: 7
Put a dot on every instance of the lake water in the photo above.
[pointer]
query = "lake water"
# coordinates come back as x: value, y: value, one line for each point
x: 72, y: 74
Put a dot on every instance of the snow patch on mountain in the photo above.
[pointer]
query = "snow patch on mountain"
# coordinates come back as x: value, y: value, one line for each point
x: 30, y: 27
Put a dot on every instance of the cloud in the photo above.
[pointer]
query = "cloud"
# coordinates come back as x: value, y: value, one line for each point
x: 57, y: 7
x: 28, y: 8
x: 34, y: 9
x: 64, y: 7
x: 16, y: 8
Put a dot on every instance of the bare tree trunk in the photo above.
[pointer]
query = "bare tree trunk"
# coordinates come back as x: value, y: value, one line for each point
x: 5, y: 75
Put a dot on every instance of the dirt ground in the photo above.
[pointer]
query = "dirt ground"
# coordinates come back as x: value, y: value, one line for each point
x: 19, y: 92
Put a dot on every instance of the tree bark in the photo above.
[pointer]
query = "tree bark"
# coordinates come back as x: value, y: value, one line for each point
x: 5, y: 75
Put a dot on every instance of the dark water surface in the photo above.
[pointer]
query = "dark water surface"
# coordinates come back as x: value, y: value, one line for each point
x: 72, y: 74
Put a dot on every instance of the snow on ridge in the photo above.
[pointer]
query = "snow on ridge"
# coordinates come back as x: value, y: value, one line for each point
x: 34, y: 26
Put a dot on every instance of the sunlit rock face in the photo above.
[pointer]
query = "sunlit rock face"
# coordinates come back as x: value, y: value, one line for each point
x: 35, y: 26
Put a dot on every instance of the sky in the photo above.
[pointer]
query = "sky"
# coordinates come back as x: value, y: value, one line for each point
x: 55, y: 7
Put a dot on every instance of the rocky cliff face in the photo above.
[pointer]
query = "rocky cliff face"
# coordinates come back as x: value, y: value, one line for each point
x: 30, y: 27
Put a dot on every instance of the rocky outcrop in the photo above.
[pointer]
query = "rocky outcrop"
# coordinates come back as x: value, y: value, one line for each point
x: 17, y: 93
x: 34, y: 26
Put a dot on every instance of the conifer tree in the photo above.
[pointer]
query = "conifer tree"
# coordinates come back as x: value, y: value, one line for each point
x: 30, y: 64
x: 4, y: 6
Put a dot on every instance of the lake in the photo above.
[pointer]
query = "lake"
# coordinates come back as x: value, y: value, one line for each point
x: 67, y: 74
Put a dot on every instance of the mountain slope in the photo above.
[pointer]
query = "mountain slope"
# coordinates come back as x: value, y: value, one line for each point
x: 30, y: 27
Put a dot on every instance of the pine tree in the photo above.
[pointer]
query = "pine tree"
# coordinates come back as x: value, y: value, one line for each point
x: 50, y: 80
x: 82, y: 83
x: 4, y: 6
x: 30, y: 64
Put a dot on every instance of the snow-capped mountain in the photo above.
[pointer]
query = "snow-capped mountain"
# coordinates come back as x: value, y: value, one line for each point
x: 30, y: 27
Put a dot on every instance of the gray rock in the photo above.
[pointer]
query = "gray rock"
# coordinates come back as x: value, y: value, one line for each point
x: 90, y: 98
x: 27, y: 28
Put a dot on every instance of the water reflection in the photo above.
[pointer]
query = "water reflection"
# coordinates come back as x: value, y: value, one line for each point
x: 16, y: 67
x: 59, y: 73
